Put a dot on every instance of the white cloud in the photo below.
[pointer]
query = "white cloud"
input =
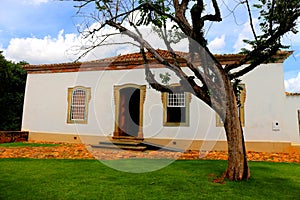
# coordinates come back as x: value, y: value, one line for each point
x: 291, y: 39
x: 45, y: 50
x: 245, y: 33
x: 67, y: 48
x: 35, y: 2
x: 293, y: 84
x: 217, y: 44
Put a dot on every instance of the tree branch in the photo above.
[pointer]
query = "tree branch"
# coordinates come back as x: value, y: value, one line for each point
x: 146, y: 45
x: 150, y: 77
x: 86, y: 2
x: 271, y: 18
x: 217, y: 16
x: 180, y: 10
x: 259, y: 52
x: 264, y: 47
x: 254, y: 64
x: 250, y: 19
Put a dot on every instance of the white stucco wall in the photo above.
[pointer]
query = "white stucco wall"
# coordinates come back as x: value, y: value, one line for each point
x: 45, y: 108
x: 291, y: 118
x: 265, y: 103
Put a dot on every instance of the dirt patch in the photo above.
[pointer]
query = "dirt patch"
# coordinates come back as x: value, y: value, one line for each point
x: 80, y: 151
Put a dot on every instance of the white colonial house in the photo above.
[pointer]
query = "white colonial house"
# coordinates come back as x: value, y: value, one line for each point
x: 110, y: 99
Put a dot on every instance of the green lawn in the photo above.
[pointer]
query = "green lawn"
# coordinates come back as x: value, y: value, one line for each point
x: 90, y: 179
x: 25, y: 144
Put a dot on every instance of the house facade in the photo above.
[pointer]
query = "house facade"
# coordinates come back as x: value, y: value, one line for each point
x: 110, y: 99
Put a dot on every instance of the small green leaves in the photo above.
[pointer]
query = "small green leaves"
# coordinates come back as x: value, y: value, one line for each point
x: 165, y: 78
x: 149, y: 16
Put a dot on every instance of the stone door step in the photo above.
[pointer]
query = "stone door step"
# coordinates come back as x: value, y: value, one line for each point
x: 125, y: 147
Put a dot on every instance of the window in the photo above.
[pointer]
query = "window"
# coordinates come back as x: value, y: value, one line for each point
x: 176, y: 109
x: 78, y: 99
x: 241, y: 110
x: 176, y: 100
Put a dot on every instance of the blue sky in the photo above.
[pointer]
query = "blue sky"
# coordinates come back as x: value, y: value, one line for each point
x: 42, y: 31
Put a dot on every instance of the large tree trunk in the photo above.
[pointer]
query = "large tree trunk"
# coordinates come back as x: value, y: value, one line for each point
x: 237, y: 168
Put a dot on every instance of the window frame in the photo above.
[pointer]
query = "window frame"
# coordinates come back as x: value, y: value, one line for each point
x: 186, y: 114
x: 87, y: 97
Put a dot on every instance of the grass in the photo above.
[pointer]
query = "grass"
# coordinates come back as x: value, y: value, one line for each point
x: 90, y: 179
x: 25, y: 144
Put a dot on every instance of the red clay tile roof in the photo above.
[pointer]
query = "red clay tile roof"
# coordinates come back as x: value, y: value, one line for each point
x: 133, y: 60
x: 292, y: 94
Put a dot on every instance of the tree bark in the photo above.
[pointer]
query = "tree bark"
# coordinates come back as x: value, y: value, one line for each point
x: 237, y: 166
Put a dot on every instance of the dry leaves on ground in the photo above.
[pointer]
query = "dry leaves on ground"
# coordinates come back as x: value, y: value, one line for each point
x: 80, y: 151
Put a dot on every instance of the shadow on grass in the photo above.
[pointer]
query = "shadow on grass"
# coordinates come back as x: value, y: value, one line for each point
x: 90, y: 179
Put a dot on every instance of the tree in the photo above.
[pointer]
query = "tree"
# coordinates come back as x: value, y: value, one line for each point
x: 12, y: 89
x: 212, y: 83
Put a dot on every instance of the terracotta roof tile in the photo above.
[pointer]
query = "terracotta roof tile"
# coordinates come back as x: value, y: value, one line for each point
x: 131, y: 60
x: 292, y: 93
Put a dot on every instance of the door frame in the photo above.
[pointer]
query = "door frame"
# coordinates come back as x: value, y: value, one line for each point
x: 117, y: 88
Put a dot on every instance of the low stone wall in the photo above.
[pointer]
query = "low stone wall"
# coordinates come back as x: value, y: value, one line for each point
x: 13, y: 136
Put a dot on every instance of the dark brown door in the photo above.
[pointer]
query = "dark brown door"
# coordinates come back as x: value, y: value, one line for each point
x: 129, y: 112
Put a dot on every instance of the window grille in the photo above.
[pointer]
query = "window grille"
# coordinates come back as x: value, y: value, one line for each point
x: 176, y: 100
x: 78, y: 105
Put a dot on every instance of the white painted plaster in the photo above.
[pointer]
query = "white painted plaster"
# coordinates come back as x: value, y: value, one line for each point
x: 45, y: 106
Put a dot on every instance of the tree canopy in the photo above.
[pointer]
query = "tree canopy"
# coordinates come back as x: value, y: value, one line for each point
x: 12, y: 89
